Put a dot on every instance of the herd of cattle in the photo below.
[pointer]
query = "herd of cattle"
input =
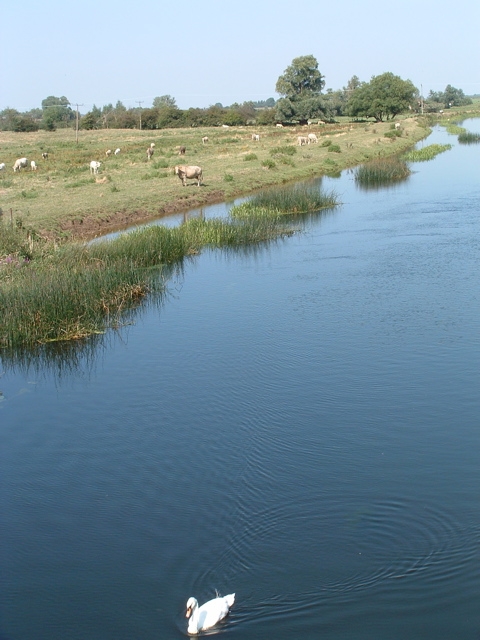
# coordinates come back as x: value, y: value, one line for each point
x: 184, y: 172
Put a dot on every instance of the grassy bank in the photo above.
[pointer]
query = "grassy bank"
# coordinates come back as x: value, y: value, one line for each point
x: 62, y: 198
x: 50, y: 292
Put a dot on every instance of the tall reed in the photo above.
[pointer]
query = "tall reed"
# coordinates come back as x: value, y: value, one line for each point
x: 381, y: 171
x: 469, y: 138
x: 76, y: 290
x: 301, y: 198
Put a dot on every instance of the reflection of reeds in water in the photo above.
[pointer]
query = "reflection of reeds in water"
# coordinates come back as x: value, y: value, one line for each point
x: 72, y: 291
x: 299, y: 199
x: 380, y: 172
x: 469, y: 138
x: 427, y: 153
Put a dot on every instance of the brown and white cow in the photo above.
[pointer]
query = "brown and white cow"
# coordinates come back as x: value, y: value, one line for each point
x: 185, y: 172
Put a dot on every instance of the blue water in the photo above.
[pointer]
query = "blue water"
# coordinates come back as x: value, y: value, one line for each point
x: 298, y: 424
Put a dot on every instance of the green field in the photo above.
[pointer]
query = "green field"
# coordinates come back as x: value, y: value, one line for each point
x: 63, y: 199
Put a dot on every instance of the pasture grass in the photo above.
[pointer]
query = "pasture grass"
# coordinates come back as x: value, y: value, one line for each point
x: 427, y: 153
x: 70, y: 202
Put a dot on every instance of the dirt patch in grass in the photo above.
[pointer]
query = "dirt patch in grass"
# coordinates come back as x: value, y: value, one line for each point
x: 91, y: 226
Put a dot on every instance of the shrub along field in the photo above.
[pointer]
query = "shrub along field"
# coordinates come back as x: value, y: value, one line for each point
x: 63, y: 199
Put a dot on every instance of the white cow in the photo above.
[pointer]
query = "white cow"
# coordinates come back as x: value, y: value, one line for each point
x: 312, y: 138
x: 108, y: 153
x: 192, y: 173
x: 397, y: 126
x: 279, y: 125
x: 255, y: 137
x: 21, y: 163
x: 2, y: 166
x: 117, y: 151
x: 205, y: 139
x: 95, y: 166
x: 33, y: 165
x: 302, y: 140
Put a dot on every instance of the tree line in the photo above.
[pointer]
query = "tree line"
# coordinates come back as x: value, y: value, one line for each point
x: 302, y: 100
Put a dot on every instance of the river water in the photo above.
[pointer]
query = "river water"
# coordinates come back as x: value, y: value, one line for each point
x: 297, y: 423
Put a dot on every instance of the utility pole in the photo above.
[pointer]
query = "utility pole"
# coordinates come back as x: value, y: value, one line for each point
x: 140, y: 102
x: 76, y: 120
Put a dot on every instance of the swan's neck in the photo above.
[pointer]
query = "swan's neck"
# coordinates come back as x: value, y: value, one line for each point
x: 193, y: 620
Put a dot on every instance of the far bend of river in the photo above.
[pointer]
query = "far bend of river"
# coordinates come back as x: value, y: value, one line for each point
x: 298, y: 424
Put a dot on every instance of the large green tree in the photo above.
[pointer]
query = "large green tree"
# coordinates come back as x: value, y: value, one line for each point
x: 56, y: 112
x: 301, y: 85
x: 384, y: 97
x: 451, y: 97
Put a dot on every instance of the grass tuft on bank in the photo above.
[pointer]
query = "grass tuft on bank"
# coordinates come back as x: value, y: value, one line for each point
x: 381, y: 171
x: 274, y: 203
x: 427, y: 153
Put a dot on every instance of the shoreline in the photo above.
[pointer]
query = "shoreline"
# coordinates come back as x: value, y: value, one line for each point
x: 63, y: 201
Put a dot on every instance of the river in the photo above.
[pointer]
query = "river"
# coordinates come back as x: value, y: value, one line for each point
x: 297, y: 423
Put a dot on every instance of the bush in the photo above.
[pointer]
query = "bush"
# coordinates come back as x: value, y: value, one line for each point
x: 334, y: 148
x: 228, y: 177
x: 250, y: 156
x: 326, y: 143
x: 286, y: 150
x: 268, y: 164
x: 394, y: 133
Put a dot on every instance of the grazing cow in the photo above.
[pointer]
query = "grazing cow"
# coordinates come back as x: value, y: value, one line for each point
x: 117, y: 151
x: 205, y: 139
x: 397, y: 126
x: 279, y: 125
x: 182, y: 151
x: 44, y: 155
x: 302, y: 140
x: 312, y: 138
x: 33, y: 165
x: 21, y: 163
x: 94, y: 166
x: 192, y: 173
x: 150, y: 152
x: 108, y: 153
x: 226, y: 126
x: 2, y: 166
x: 255, y: 137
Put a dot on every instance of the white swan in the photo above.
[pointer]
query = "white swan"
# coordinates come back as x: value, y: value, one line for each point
x: 208, y: 614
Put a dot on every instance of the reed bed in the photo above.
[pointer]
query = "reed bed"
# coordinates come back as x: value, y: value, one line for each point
x: 427, y: 153
x: 274, y: 203
x: 453, y: 128
x: 469, y: 138
x: 381, y: 171
x: 73, y: 291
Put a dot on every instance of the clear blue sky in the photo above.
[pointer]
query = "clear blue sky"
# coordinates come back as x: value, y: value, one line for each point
x: 98, y: 52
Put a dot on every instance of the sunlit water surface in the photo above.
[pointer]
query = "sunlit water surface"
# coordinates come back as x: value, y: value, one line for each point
x: 297, y: 423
